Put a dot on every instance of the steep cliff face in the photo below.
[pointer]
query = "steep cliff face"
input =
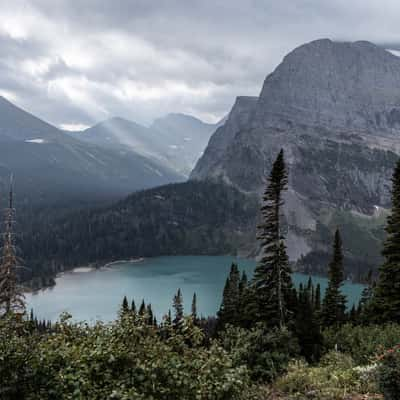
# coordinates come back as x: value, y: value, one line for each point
x: 335, y: 110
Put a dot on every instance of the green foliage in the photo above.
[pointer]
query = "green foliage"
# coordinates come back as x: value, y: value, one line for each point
x: 334, y: 303
x: 229, y: 311
x: 187, y: 218
x: 272, y: 276
x: 363, y: 343
x: 124, y: 360
x: 178, y: 308
x: 389, y: 374
x: 386, y: 301
x: 265, y: 351
x: 334, y: 379
x: 307, y: 321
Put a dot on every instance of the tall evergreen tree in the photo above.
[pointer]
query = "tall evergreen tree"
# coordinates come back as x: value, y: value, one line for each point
x: 272, y: 277
x: 11, y: 295
x: 386, y: 299
x: 125, y: 304
x: 133, y: 307
x: 149, y: 314
x: 194, y: 307
x: 142, y: 308
x: 334, y: 303
x: 178, y: 307
x: 317, y: 300
x: 307, y: 327
x: 228, y: 312
x: 364, y: 310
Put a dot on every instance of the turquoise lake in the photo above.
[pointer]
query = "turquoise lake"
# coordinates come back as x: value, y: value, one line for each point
x: 97, y: 294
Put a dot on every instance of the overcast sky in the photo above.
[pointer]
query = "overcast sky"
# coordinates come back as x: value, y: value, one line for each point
x: 76, y: 62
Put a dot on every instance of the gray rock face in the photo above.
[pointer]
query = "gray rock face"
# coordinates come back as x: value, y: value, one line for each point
x: 335, y: 85
x: 335, y: 110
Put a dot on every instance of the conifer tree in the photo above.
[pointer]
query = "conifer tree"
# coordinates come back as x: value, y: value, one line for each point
x: 194, y: 307
x: 364, y: 310
x: 124, y: 306
x: 11, y: 295
x: 133, y: 307
x: 178, y: 308
x: 149, y: 314
x: 317, y: 301
x: 307, y: 326
x: 243, y: 283
x: 334, y: 303
x: 272, y: 277
x: 142, y: 308
x: 229, y: 310
x: 386, y: 299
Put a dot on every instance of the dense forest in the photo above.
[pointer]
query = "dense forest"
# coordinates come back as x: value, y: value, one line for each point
x: 186, y: 218
x: 269, y: 340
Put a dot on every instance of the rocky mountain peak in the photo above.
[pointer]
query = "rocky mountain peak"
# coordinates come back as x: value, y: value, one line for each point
x: 334, y: 84
x: 335, y: 110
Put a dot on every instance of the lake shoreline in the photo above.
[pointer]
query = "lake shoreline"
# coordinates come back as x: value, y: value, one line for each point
x: 155, y: 280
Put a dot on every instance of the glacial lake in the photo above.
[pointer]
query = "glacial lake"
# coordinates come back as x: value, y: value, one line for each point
x: 91, y: 295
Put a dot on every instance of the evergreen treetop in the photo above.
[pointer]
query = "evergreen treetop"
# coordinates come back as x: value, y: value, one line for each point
x: 272, y: 277
x: 334, y: 303
x: 386, y: 298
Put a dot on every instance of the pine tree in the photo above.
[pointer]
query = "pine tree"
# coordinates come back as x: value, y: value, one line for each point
x: 272, y: 277
x: 364, y: 306
x: 142, y: 308
x: 11, y: 295
x: 386, y: 298
x: 317, y: 301
x: 229, y: 310
x: 194, y: 307
x: 243, y: 283
x: 178, y: 308
x: 334, y: 303
x: 149, y: 313
x: 308, y: 330
x: 133, y: 308
x: 124, y: 306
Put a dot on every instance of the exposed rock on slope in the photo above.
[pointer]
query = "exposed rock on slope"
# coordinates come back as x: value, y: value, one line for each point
x: 335, y: 109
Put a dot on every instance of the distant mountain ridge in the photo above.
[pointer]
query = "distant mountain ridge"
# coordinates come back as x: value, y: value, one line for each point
x: 50, y: 167
x: 176, y: 140
x: 335, y: 110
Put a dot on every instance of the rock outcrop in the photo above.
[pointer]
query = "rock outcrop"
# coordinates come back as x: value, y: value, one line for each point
x: 335, y: 110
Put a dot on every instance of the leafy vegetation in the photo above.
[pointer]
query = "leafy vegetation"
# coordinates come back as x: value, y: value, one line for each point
x: 269, y: 339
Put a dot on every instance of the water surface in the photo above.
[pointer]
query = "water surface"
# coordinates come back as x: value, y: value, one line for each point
x: 91, y: 295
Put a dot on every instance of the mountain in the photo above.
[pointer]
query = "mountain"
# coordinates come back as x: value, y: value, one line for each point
x: 335, y: 110
x: 50, y: 167
x: 185, y: 218
x: 185, y: 137
x: 176, y: 140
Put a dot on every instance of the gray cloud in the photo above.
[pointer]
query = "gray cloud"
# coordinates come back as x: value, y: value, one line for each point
x: 78, y: 62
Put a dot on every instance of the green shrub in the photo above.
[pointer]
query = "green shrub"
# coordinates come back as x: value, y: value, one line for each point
x: 333, y: 379
x: 389, y: 374
x: 363, y: 343
x: 266, y: 352
x: 124, y: 360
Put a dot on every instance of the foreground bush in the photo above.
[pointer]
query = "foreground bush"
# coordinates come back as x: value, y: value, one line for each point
x: 266, y: 352
x: 124, y: 360
x: 389, y: 374
x: 334, y: 378
x: 363, y: 343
